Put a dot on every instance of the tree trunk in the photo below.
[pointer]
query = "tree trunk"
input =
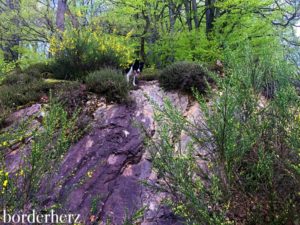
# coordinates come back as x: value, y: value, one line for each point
x: 210, y: 15
x: 187, y: 7
x: 146, y: 28
x: 172, y: 16
x: 195, y: 13
x: 62, y: 10
x: 142, y: 49
x: 60, y: 14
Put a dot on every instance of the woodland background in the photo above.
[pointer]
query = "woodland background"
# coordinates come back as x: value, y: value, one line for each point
x: 238, y: 59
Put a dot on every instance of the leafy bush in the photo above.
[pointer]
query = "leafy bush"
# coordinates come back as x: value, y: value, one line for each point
x: 256, y: 140
x: 18, y: 78
x: 149, y: 74
x: 184, y: 76
x: 72, y: 64
x: 30, y: 56
x: 254, y: 146
x: 109, y: 83
x: 181, y: 46
x: 182, y: 176
x: 71, y: 94
x: 3, y: 115
x: 39, y: 70
x: 5, y: 67
x: 81, y: 52
x: 20, y: 89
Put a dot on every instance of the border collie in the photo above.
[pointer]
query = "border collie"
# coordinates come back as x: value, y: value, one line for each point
x: 134, y: 70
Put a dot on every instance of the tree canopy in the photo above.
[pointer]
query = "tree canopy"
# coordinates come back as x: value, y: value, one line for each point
x: 158, y: 31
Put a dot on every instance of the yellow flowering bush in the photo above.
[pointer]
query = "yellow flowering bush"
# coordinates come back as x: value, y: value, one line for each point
x: 78, y: 52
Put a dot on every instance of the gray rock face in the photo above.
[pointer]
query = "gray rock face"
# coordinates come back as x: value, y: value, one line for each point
x: 14, y: 155
x: 100, y: 176
x: 24, y: 113
x: 102, y: 169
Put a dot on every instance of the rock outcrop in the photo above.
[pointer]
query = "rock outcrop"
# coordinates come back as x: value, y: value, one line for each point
x: 101, y: 175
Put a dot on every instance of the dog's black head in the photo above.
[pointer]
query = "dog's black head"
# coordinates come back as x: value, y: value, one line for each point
x: 138, y: 66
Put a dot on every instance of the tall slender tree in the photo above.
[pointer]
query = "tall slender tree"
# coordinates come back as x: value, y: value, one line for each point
x: 195, y: 14
x: 60, y: 14
x: 188, y: 15
x: 62, y: 10
x: 210, y: 15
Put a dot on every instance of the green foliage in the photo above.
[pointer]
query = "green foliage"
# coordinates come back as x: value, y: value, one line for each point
x: 30, y: 55
x: 243, y: 23
x: 10, y: 195
x: 184, y: 76
x: 40, y: 70
x: 94, y: 204
x: 135, y: 218
x: 20, y: 89
x: 84, y: 51
x: 149, y: 74
x: 255, y: 143
x: 255, y: 138
x: 18, y: 78
x: 5, y: 67
x: 48, y: 146
x: 180, y: 171
x: 109, y: 83
x: 184, y: 46
x: 70, y: 93
x: 59, y: 132
x: 72, y: 64
x: 4, y: 112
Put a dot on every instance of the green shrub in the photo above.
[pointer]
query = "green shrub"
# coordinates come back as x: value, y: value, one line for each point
x: 38, y: 70
x: 21, y: 89
x: 3, y: 115
x: 149, y: 74
x: 22, y: 94
x: 190, y: 196
x: 18, y: 78
x: 109, y: 83
x: 5, y: 67
x: 71, y: 94
x: 254, y: 143
x: 84, y: 51
x: 72, y: 64
x: 184, y: 76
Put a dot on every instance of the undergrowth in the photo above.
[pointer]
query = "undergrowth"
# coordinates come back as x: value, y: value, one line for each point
x: 184, y: 76
x: 109, y: 83
x: 253, y: 143
x: 48, y: 145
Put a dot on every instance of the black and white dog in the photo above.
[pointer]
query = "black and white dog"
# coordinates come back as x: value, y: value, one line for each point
x: 134, y: 70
